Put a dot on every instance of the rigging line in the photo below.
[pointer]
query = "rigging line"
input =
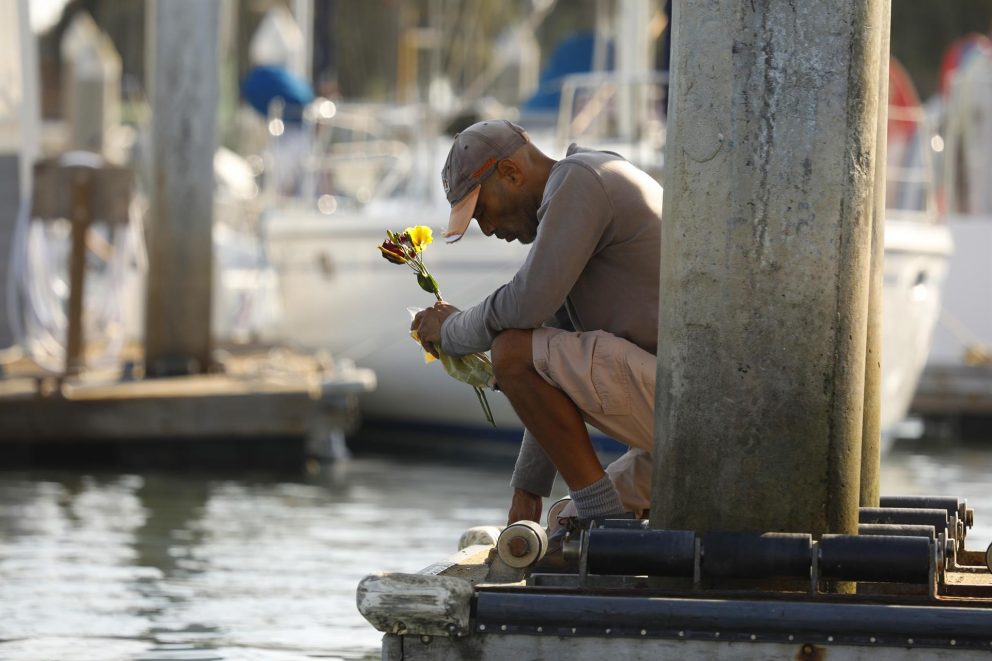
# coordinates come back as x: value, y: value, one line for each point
x: 960, y: 330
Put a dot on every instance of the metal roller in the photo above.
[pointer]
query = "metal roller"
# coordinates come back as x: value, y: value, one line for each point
x: 755, y: 555
x: 484, y: 535
x: 955, y: 506
x: 522, y: 544
x: 892, y: 529
x: 641, y: 552
x: 625, y: 524
x: 874, y: 558
x: 937, y: 518
x: 554, y: 512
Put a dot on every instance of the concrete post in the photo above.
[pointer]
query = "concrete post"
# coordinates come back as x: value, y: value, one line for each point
x: 20, y: 123
x: 871, y: 434
x: 765, y: 261
x: 183, y: 70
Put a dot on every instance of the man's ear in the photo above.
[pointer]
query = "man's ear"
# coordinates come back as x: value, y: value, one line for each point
x: 510, y: 171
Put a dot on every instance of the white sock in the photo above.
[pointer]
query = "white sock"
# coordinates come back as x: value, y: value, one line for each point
x: 599, y: 500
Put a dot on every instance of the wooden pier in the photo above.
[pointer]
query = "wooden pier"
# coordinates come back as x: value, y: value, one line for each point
x: 260, y: 392
x: 954, y: 390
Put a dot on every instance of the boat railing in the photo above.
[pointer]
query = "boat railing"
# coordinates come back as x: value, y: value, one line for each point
x: 622, y: 112
x: 626, y: 113
x: 334, y: 156
x: 909, y: 166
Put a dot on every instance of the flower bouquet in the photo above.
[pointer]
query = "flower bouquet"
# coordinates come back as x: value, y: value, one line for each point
x: 474, y: 369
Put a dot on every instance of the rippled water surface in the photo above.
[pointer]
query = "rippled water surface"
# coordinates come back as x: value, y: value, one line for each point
x: 172, y: 566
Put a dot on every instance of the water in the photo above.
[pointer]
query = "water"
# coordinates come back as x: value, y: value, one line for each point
x: 170, y: 566
x: 163, y: 566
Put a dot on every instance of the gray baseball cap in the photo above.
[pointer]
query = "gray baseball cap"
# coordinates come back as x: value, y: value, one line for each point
x: 472, y: 158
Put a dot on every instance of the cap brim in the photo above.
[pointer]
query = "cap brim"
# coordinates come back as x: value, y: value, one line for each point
x: 461, y: 216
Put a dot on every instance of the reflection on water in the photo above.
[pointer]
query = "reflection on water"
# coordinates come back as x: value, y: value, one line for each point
x: 165, y: 566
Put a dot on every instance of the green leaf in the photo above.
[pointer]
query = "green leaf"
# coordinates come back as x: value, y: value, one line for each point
x: 427, y: 283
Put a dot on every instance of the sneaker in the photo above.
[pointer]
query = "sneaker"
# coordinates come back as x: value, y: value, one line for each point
x: 573, y: 524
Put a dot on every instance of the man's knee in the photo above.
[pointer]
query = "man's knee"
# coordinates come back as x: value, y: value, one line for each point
x: 512, y: 354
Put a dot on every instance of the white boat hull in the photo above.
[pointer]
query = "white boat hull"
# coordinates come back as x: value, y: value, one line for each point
x: 916, y: 258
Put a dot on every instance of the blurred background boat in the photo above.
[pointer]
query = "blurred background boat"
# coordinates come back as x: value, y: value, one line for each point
x: 954, y: 397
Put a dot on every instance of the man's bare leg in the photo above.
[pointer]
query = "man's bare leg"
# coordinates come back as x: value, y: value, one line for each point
x: 548, y: 413
x: 545, y: 410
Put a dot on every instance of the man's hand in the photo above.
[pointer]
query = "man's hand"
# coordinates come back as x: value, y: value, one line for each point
x: 427, y: 325
x: 525, y: 506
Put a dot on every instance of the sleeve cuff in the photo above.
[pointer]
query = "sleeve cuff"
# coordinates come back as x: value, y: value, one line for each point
x: 533, y: 471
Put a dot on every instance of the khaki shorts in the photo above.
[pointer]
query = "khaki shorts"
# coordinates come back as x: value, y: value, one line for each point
x: 611, y: 380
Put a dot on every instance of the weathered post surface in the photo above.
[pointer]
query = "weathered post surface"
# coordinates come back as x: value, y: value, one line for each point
x: 766, y: 252
x: 871, y: 435
x: 183, y: 68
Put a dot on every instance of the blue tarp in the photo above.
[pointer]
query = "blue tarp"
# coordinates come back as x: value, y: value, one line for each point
x: 573, y: 55
x: 264, y: 84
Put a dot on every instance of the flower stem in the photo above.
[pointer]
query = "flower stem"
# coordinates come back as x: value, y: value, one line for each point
x: 481, y: 394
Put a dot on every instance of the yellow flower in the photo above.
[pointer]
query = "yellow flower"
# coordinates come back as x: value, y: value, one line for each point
x: 420, y: 236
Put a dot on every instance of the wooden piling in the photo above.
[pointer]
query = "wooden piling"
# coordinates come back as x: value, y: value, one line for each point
x: 83, y: 193
x: 183, y: 70
x: 872, y: 426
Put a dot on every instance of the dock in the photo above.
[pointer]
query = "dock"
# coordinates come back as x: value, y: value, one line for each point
x: 624, y: 590
x: 955, y: 400
x: 180, y: 385
x: 250, y: 393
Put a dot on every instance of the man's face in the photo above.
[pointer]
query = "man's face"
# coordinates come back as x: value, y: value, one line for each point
x: 505, y: 211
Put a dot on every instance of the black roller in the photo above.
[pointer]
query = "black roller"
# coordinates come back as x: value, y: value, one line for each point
x: 891, y: 529
x: 953, y: 506
x: 905, y: 516
x: 948, y: 503
x: 875, y: 558
x: 755, y: 555
x: 625, y: 524
x: 641, y: 552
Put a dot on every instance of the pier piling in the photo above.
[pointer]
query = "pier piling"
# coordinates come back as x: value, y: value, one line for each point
x: 871, y: 434
x: 766, y: 256
x: 183, y: 68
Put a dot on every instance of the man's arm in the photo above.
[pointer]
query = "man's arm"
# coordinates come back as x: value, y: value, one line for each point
x: 533, y: 477
x: 534, y: 473
x: 524, y: 506
x: 573, y: 218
